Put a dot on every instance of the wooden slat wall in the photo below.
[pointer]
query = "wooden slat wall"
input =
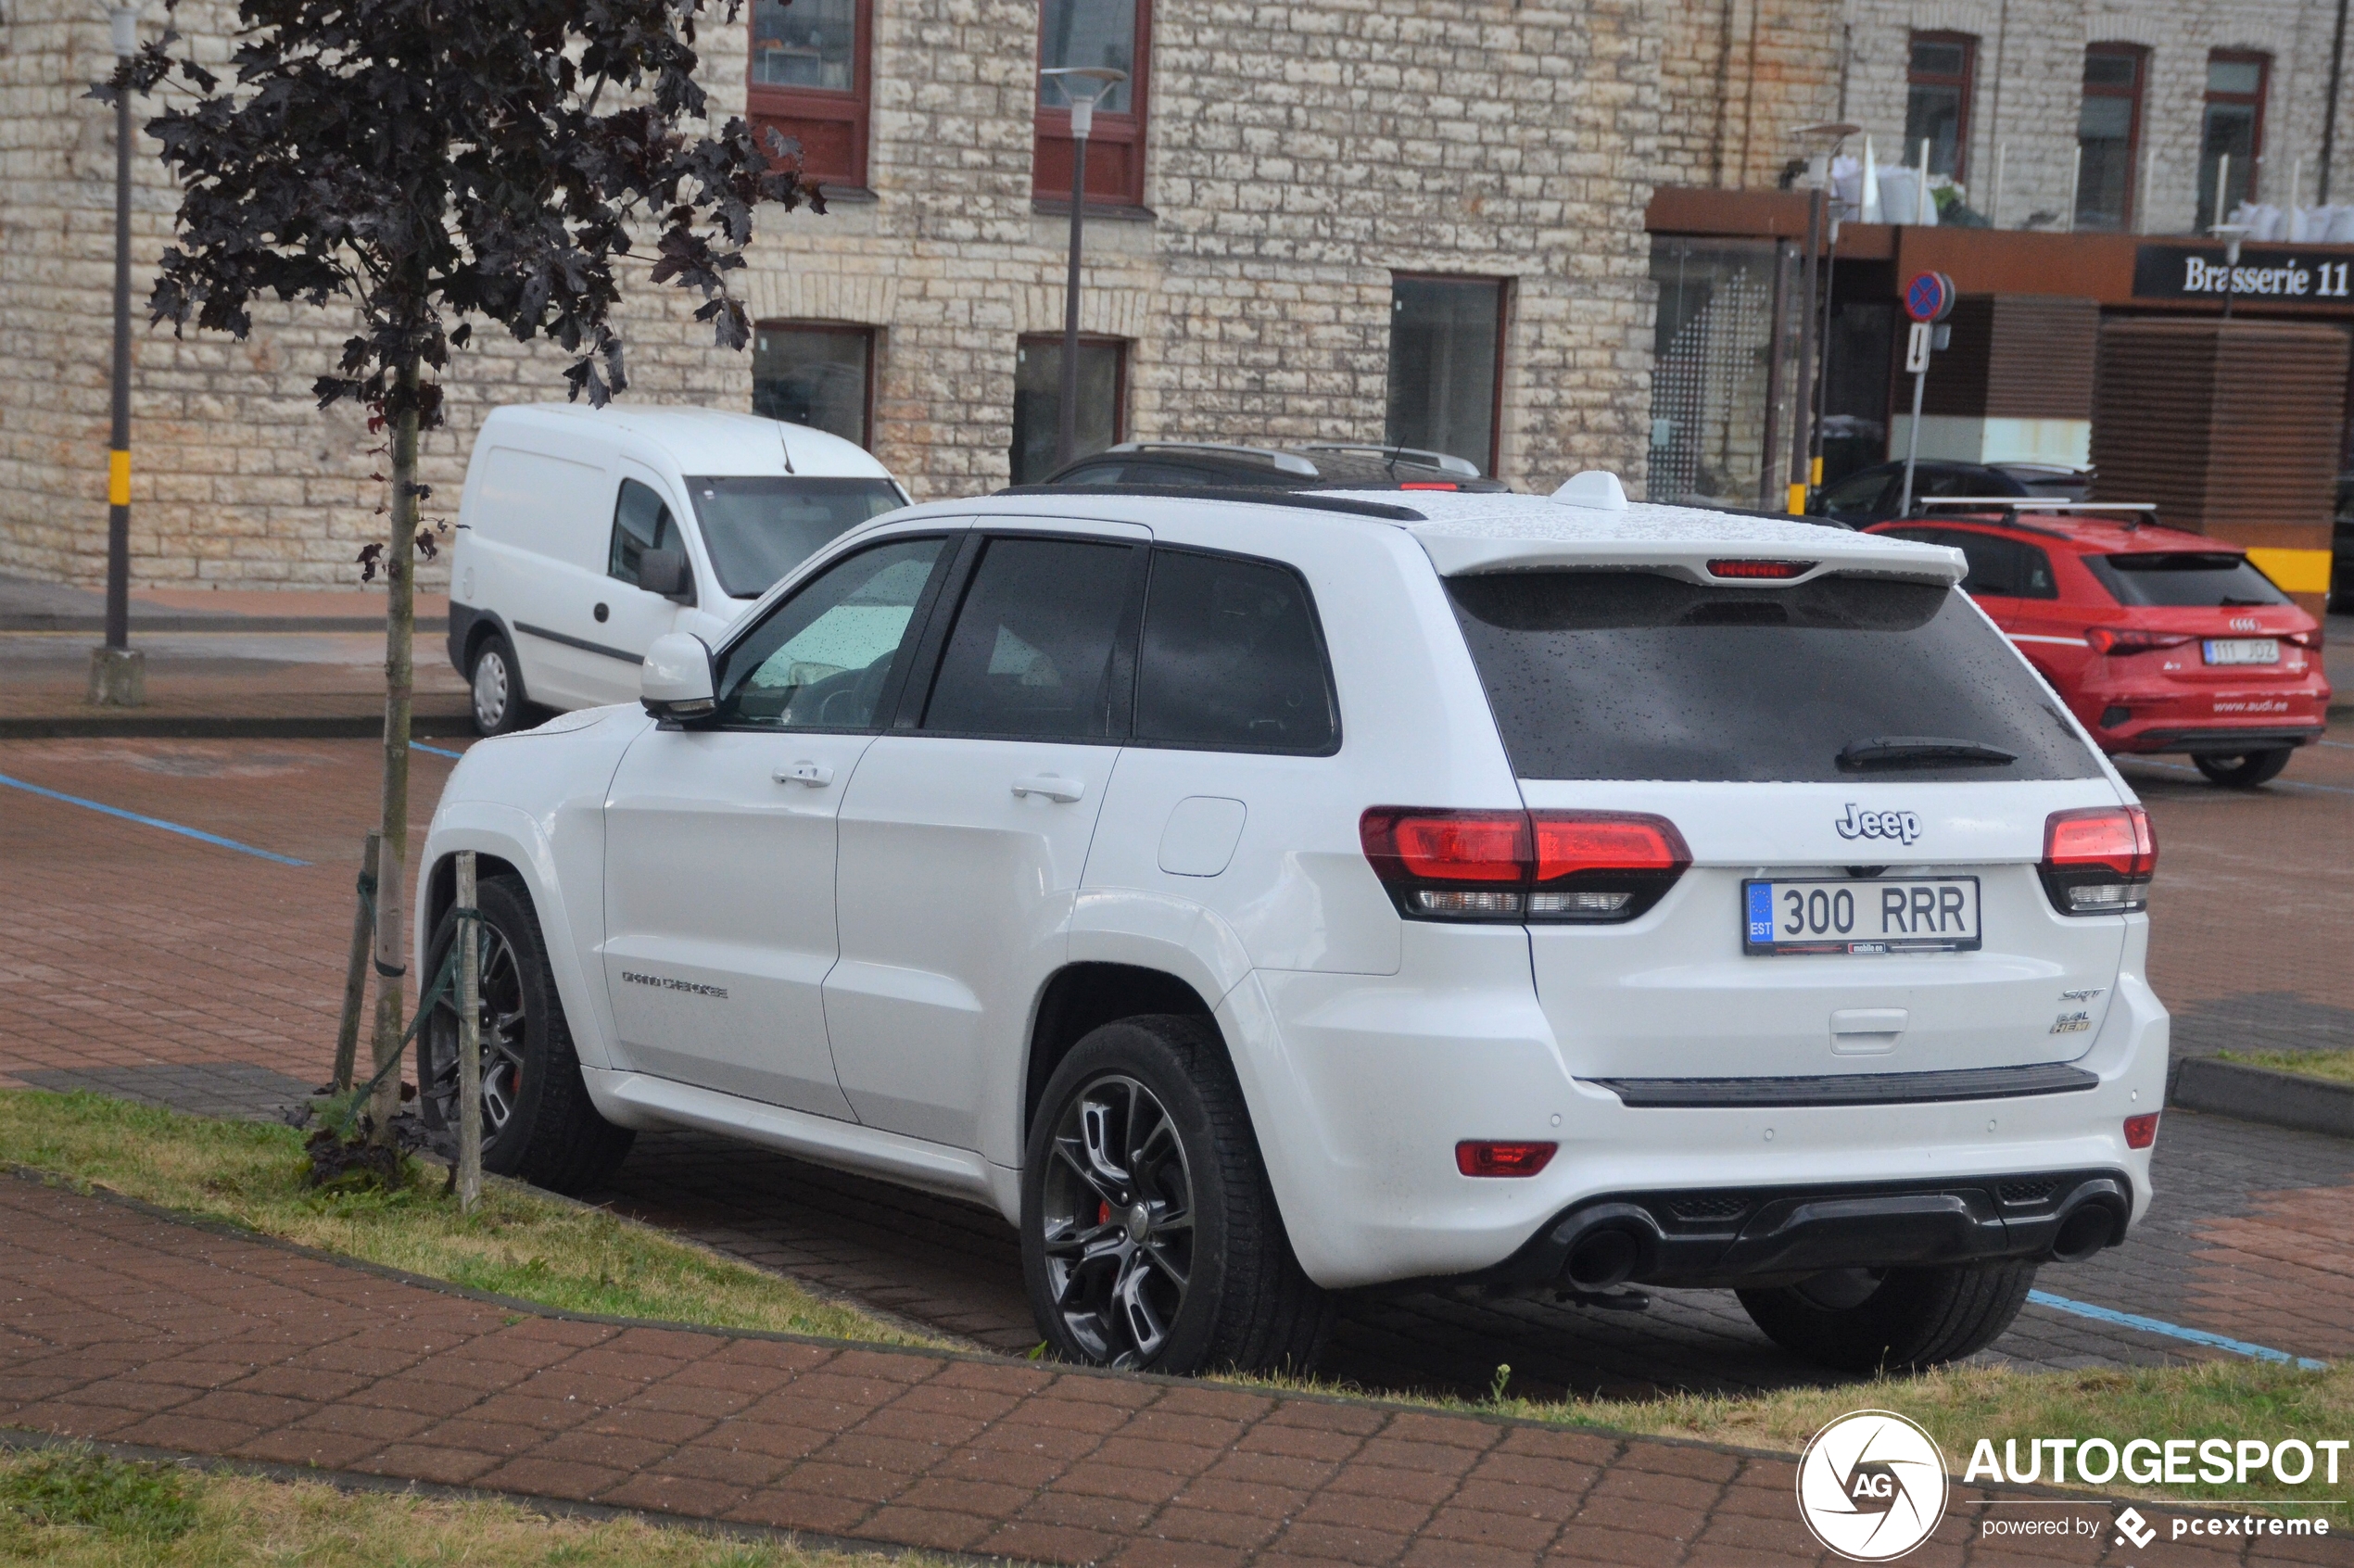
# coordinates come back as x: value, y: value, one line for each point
x: 2231, y: 428
x: 2016, y: 356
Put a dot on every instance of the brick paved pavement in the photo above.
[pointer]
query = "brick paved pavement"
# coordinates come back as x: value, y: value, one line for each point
x: 119, y: 1325
x: 129, y: 957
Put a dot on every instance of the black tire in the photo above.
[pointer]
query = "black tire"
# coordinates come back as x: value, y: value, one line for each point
x: 1224, y: 1291
x: 496, y: 695
x: 537, y: 1122
x: 1903, y: 1319
x: 2246, y: 771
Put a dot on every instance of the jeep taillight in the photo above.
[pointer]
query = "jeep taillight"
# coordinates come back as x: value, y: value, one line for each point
x: 1583, y: 866
x: 2131, y: 640
x: 2098, y: 860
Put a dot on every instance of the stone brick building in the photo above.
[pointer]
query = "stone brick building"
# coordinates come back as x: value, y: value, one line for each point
x: 1309, y: 219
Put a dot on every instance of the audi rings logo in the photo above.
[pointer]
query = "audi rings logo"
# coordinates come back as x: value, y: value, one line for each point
x: 1871, y: 1486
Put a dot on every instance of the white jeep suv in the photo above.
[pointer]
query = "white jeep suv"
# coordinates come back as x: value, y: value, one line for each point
x: 1256, y: 897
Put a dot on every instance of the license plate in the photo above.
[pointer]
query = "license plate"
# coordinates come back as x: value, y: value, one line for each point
x: 2243, y: 651
x: 1893, y: 915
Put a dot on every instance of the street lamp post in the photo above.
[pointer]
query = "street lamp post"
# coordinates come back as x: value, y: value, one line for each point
x: 2231, y: 235
x: 1085, y: 86
x: 118, y: 674
x: 1819, y: 143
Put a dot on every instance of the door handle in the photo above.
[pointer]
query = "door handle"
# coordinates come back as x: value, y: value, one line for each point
x: 816, y: 775
x: 1054, y: 789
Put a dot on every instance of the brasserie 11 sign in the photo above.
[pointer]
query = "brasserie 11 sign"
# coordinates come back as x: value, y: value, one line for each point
x: 2265, y: 272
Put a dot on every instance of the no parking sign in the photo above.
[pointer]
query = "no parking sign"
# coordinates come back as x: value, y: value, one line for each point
x: 1929, y: 297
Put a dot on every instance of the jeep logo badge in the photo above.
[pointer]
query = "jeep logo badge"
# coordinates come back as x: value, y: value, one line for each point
x: 1901, y: 825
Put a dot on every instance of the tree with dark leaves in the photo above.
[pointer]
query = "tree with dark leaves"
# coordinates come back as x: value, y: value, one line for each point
x: 421, y: 164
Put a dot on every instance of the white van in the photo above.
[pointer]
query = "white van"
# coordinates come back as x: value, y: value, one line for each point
x: 584, y: 534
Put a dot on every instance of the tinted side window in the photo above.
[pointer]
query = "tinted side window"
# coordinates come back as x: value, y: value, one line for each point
x: 823, y: 658
x: 1858, y: 493
x: 1043, y: 645
x: 640, y: 523
x: 1993, y: 564
x: 1232, y: 658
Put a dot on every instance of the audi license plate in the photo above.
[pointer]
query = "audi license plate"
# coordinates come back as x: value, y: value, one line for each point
x: 1894, y: 915
x: 2243, y: 651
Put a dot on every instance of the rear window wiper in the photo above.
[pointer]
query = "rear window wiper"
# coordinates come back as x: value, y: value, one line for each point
x: 1882, y: 752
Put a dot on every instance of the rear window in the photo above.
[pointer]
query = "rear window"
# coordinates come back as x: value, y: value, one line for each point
x: 2185, y: 579
x: 1631, y: 674
x: 758, y: 529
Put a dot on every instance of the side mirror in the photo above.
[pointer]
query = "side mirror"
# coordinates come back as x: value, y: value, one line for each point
x: 665, y: 572
x: 675, y: 682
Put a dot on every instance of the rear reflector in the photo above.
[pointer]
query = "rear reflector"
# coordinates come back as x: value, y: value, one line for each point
x: 1581, y: 867
x: 2141, y: 1131
x: 1480, y: 1158
x: 2126, y: 639
x: 1426, y: 484
x: 2098, y: 860
x: 1768, y: 570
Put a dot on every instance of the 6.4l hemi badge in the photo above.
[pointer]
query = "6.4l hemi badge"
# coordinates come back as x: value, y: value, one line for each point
x: 2072, y: 1023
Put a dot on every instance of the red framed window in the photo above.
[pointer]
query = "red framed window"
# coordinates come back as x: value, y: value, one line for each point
x: 1093, y: 32
x: 2109, y: 136
x: 1447, y: 365
x: 812, y: 79
x: 2231, y: 127
x: 1937, y: 95
x: 816, y: 373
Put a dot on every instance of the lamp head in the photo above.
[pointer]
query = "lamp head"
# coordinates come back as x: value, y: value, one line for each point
x: 123, y: 21
x: 1085, y: 86
x: 2231, y: 235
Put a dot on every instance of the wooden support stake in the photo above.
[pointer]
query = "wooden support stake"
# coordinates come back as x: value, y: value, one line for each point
x: 469, y: 937
x: 355, y: 975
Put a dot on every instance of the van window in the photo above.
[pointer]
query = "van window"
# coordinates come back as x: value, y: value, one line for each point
x: 758, y: 529
x: 640, y: 523
x: 1632, y: 674
x: 1232, y: 658
x: 546, y: 505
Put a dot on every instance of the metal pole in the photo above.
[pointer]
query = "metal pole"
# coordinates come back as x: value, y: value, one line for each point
x: 1801, y: 435
x: 469, y: 937
x: 1822, y: 390
x: 1082, y: 111
x: 118, y: 438
x: 355, y: 973
x: 2076, y: 181
x: 2328, y: 108
x: 1913, y: 443
x: 118, y: 678
x: 1777, y: 346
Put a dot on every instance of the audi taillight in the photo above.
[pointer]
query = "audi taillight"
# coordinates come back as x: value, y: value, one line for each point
x: 2130, y: 639
x: 1583, y: 866
x: 2098, y: 860
x: 2304, y: 639
x: 1759, y: 571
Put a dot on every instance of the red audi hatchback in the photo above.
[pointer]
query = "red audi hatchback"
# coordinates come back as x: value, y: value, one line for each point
x: 2157, y: 640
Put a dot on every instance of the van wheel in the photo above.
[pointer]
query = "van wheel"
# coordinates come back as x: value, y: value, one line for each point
x: 1149, y: 1234
x: 497, y: 678
x: 2244, y: 772
x: 1894, y: 1320
x: 537, y: 1122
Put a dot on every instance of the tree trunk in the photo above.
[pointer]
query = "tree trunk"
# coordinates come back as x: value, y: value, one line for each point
x: 392, y: 859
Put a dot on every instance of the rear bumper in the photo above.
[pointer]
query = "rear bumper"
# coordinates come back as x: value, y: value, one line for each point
x: 2221, y: 739
x: 1769, y: 1235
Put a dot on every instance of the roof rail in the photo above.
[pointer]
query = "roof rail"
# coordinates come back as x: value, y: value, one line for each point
x: 1446, y: 463
x: 1306, y: 501
x: 2137, y: 512
x: 2034, y: 503
x: 1288, y: 462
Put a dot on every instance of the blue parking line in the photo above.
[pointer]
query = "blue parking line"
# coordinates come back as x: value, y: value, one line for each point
x: 436, y: 751
x: 2175, y: 1331
x: 150, y: 821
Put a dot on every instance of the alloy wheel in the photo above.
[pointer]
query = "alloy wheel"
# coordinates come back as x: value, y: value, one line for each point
x: 503, y: 1017
x: 1118, y: 1222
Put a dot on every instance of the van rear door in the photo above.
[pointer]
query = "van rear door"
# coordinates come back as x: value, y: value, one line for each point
x: 539, y: 533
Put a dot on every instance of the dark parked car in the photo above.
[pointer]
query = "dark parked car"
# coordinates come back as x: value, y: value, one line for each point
x: 1204, y: 465
x: 1870, y: 495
